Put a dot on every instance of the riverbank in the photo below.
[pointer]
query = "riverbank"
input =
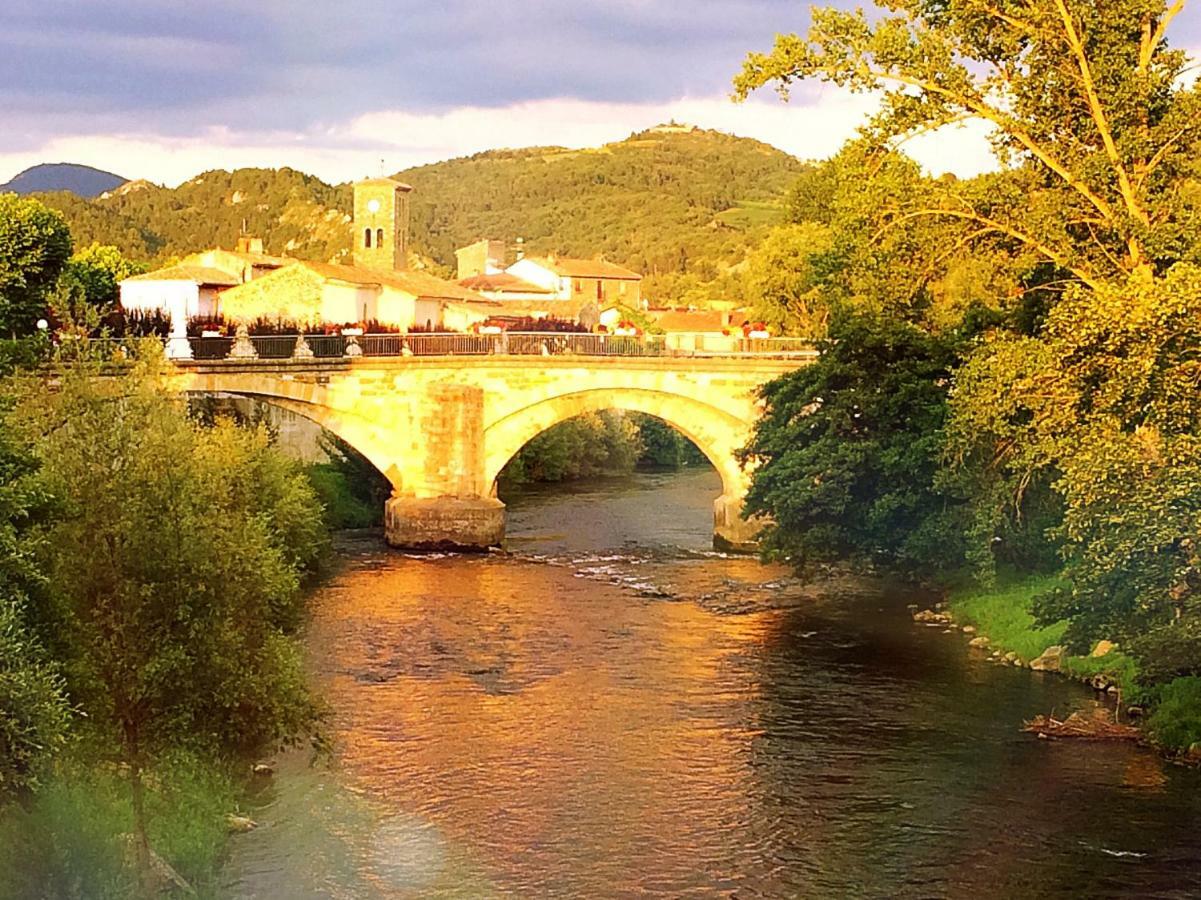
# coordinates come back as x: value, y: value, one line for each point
x: 1000, y: 624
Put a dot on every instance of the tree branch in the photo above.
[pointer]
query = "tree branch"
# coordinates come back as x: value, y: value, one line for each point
x: 1101, y: 120
x: 1000, y: 227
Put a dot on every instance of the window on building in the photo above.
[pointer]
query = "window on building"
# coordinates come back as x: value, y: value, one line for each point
x: 379, y: 237
x: 367, y: 238
x: 577, y: 286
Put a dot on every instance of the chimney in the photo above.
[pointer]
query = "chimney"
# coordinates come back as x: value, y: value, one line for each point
x: 248, y: 244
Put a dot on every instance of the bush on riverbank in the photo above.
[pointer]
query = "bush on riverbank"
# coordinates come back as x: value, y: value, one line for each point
x: 344, y: 507
x: 167, y: 557
x: 1004, y: 615
x: 350, y: 489
x: 1176, y: 719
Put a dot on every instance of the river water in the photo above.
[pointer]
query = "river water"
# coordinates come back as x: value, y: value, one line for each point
x: 610, y: 709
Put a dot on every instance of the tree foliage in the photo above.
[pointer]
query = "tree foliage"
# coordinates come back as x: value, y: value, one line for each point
x: 173, y: 571
x: 846, y: 454
x: 95, y: 273
x: 35, y: 244
x: 1086, y: 101
x: 33, y: 706
x: 1104, y: 408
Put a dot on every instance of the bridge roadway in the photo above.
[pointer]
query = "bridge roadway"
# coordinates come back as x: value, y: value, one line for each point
x: 442, y: 427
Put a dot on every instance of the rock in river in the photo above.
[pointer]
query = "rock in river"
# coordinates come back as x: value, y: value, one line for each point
x: 1051, y: 659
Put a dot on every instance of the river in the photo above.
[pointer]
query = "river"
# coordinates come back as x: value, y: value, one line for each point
x: 610, y: 709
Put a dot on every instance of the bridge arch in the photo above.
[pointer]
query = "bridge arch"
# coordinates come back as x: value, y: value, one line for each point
x: 357, y: 431
x: 716, y: 433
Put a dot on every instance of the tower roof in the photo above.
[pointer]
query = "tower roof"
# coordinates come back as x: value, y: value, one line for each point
x: 384, y: 182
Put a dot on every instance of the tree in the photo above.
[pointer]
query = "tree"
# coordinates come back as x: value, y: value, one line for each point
x: 1086, y: 102
x: 846, y: 453
x: 173, y: 572
x: 33, y: 707
x: 1103, y: 407
x: 784, y: 280
x: 95, y: 273
x: 35, y: 244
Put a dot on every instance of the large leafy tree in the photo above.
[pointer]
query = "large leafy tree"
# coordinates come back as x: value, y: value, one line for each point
x: 1104, y: 407
x: 848, y: 449
x: 1086, y: 102
x: 843, y: 256
x: 35, y: 244
x: 174, y: 571
x: 93, y: 275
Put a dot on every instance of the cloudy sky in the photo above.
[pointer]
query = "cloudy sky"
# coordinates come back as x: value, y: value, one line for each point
x: 163, y: 89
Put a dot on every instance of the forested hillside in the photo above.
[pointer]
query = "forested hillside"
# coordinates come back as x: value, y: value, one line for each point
x: 682, y: 206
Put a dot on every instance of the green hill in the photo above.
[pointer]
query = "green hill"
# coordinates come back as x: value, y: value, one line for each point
x: 681, y: 206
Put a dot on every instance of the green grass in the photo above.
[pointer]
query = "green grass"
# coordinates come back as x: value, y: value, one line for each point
x: 1176, y: 719
x: 342, y: 508
x: 1003, y: 614
x: 747, y: 214
x: 68, y: 839
x: 1118, y: 667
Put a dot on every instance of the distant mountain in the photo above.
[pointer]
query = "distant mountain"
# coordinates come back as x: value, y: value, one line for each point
x: 83, y: 181
x: 682, y: 205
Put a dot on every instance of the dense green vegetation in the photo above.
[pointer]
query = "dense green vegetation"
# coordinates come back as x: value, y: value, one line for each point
x: 35, y: 244
x: 151, y: 567
x: 611, y: 442
x: 1011, y: 380
x: 684, y: 208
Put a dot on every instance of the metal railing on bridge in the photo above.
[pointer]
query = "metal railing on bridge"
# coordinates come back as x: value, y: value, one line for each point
x: 330, y: 347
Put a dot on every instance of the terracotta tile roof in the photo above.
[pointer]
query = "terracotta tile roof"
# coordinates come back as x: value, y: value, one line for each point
x: 504, y: 282
x: 420, y: 284
x: 585, y: 268
x: 198, y: 274
x: 692, y: 320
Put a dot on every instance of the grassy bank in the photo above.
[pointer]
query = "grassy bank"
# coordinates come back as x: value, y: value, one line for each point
x: 72, y: 837
x: 1003, y: 614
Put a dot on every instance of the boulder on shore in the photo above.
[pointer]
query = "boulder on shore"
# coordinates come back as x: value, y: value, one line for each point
x: 930, y: 617
x: 1104, y: 648
x: 979, y: 642
x: 240, y: 824
x: 1051, y: 659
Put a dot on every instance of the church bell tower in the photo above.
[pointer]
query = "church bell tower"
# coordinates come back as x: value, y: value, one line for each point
x: 381, y: 224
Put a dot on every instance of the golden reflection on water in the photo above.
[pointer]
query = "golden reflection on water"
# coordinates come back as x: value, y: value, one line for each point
x: 601, y: 717
x: 515, y: 712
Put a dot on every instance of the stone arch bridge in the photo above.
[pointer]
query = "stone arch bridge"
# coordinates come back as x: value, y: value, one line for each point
x: 442, y: 427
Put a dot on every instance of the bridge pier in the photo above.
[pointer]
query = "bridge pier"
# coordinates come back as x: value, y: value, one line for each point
x: 444, y: 523
x: 731, y: 532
